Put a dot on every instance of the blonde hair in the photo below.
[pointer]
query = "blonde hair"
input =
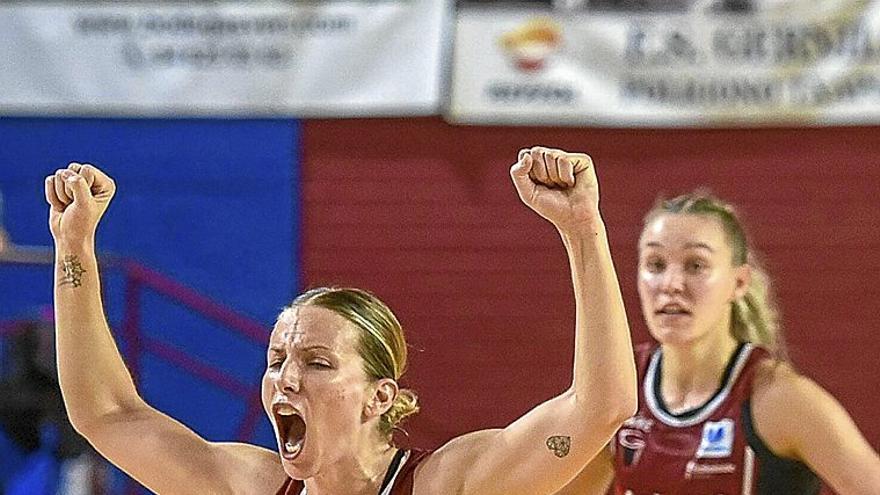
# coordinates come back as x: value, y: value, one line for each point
x: 381, y: 342
x: 755, y: 316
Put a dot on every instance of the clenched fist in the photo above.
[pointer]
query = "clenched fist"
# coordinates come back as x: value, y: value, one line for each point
x: 560, y: 186
x: 78, y: 196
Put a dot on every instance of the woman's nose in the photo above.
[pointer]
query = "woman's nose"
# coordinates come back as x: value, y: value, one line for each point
x: 289, y: 380
x: 673, y: 281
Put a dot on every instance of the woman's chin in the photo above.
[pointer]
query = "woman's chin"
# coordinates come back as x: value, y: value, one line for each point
x: 672, y: 335
x: 298, y: 468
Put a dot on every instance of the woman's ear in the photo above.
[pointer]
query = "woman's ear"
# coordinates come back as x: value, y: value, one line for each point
x: 743, y: 280
x: 384, y: 393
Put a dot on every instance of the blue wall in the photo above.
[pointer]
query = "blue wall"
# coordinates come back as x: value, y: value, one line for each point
x: 211, y: 203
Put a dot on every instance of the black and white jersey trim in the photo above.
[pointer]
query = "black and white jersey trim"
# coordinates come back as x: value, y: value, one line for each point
x: 651, y: 393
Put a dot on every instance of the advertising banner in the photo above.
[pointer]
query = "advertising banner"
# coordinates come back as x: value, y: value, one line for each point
x: 330, y: 58
x: 670, y: 63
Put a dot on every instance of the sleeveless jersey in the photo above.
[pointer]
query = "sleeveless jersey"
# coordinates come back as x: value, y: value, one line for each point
x: 710, y: 450
x: 398, y: 479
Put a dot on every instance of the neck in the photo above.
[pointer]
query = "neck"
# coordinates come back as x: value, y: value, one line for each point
x: 692, y: 373
x: 358, y: 472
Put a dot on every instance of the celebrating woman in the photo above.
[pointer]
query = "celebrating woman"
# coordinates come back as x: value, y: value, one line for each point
x: 335, y: 357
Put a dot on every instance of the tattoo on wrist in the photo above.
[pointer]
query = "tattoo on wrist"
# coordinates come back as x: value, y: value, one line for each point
x: 559, y: 445
x: 73, y: 271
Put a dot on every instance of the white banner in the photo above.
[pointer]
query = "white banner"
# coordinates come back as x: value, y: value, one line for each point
x: 686, y: 63
x: 331, y: 58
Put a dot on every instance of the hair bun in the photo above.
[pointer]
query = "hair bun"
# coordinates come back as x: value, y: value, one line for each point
x: 405, y: 404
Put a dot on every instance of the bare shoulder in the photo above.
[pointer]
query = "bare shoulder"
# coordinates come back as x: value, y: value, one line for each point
x: 799, y: 419
x: 258, y: 470
x: 782, y: 394
x: 778, y: 380
x: 442, y: 472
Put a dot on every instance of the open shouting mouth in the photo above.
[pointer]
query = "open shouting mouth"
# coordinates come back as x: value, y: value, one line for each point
x: 290, y: 429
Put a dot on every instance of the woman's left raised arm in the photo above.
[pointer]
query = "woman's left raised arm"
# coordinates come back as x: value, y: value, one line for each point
x: 543, y: 450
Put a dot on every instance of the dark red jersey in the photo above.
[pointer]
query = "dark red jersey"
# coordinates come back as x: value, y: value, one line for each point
x: 398, y: 480
x: 710, y: 450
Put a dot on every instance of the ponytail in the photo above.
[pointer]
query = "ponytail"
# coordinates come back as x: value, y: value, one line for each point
x: 755, y: 317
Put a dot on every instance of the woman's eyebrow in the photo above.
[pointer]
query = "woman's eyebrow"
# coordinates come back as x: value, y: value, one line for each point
x: 698, y: 245
x: 313, y: 347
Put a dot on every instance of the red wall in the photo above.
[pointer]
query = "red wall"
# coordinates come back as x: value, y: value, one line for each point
x: 423, y: 214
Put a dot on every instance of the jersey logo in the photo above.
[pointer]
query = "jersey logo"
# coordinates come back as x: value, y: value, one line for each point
x: 696, y: 469
x: 717, y: 440
x: 632, y: 443
x: 631, y: 438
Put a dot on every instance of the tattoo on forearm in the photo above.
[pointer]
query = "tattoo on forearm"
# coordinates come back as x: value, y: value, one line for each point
x: 559, y: 445
x: 73, y: 271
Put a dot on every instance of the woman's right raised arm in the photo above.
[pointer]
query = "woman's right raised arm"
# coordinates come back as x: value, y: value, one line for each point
x: 102, y: 401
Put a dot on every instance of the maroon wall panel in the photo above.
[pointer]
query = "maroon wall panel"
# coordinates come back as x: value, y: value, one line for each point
x: 423, y: 214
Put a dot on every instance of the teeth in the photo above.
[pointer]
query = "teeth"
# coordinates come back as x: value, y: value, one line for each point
x: 293, y: 448
x: 672, y: 310
x: 285, y: 410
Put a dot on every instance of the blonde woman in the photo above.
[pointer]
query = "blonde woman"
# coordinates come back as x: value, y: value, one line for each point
x: 720, y: 410
x: 334, y: 361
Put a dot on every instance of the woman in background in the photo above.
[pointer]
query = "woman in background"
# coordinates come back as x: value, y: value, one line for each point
x: 721, y: 411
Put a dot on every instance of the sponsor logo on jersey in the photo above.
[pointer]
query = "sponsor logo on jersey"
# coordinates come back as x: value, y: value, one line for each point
x: 717, y: 440
x: 695, y: 469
